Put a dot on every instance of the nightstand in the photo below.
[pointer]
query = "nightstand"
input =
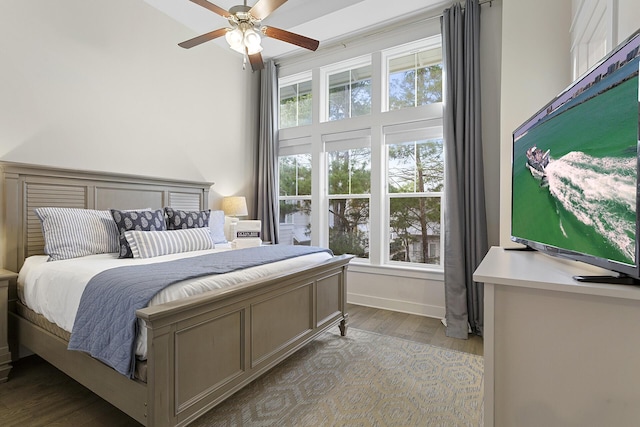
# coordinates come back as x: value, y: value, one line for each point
x: 5, y: 355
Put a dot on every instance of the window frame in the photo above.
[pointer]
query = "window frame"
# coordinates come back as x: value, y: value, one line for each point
x: 295, y: 147
x: 402, y: 134
x: 341, y: 142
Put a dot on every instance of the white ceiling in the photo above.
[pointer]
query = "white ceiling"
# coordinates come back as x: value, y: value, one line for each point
x: 323, y: 20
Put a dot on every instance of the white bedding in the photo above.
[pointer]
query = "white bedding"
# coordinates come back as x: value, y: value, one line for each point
x: 53, y: 289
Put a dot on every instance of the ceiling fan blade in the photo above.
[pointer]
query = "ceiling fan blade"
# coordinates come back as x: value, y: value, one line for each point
x: 256, y: 61
x: 263, y: 8
x: 212, y: 7
x: 290, y: 37
x: 203, y: 38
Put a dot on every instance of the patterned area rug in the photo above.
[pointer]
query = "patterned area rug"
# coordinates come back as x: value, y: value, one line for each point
x: 363, y: 379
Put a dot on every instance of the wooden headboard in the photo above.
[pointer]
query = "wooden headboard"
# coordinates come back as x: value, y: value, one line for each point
x: 26, y: 187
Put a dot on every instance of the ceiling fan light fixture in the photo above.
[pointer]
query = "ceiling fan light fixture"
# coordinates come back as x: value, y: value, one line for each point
x: 239, y: 47
x: 252, y: 41
x: 234, y: 37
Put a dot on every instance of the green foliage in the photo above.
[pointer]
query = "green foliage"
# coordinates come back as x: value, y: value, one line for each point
x: 295, y: 105
x: 349, y: 173
x: 415, y: 87
x: 356, y: 243
x: 415, y: 167
x: 295, y: 175
x: 350, y: 94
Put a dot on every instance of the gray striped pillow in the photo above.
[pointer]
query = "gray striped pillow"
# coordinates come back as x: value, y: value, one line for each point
x: 74, y: 232
x: 148, y: 244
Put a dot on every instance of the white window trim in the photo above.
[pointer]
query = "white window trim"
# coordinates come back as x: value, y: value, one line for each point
x: 293, y: 146
x: 593, y: 31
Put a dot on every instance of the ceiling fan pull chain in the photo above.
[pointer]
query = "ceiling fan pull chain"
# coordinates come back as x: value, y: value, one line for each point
x: 244, y: 62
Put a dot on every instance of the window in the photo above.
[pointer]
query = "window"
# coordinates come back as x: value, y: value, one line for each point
x: 415, y: 79
x: 295, y: 199
x: 374, y: 157
x: 415, y: 181
x: 349, y: 93
x: 593, y: 33
x: 349, y: 173
x: 295, y: 103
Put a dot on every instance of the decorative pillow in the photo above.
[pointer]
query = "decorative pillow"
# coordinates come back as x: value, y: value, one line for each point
x: 177, y: 219
x: 75, y: 232
x: 216, y: 225
x: 146, y: 220
x: 148, y: 244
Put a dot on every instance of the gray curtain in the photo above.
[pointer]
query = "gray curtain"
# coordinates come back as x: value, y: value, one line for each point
x: 267, y: 168
x: 465, y: 239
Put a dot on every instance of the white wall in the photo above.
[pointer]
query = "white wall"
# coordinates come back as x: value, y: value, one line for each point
x: 536, y: 66
x: 490, y: 74
x: 103, y: 86
x: 628, y: 18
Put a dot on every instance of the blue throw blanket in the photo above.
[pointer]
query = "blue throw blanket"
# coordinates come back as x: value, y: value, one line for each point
x: 106, y: 323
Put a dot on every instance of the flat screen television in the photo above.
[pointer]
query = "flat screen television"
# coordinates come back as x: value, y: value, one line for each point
x: 575, y: 170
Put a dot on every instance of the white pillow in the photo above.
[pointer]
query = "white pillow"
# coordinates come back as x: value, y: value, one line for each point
x: 216, y: 224
x: 75, y: 232
x: 148, y: 244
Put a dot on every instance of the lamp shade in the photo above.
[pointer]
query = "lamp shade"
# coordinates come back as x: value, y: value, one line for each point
x: 235, y: 206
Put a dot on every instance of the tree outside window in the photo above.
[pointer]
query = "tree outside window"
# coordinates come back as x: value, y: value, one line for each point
x: 350, y: 93
x: 349, y: 174
x: 415, y: 79
x: 295, y: 104
x: 415, y: 186
x: 295, y: 199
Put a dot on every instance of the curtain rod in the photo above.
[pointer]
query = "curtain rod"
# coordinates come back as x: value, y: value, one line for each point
x: 438, y: 16
x: 393, y: 27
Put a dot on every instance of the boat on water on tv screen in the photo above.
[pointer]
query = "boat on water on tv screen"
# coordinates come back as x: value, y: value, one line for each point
x: 575, y: 168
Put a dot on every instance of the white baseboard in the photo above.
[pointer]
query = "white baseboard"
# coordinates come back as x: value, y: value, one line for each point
x: 396, y: 305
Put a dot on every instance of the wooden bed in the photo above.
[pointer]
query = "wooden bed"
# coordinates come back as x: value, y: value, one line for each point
x: 201, y: 349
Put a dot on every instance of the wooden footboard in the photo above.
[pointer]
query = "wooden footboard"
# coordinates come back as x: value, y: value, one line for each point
x: 201, y: 350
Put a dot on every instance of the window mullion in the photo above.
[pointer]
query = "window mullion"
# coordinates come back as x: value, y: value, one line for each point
x: 415, y: 79
x: 297, y: 104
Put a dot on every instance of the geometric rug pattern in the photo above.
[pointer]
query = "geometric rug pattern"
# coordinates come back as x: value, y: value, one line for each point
x: 363, y: 379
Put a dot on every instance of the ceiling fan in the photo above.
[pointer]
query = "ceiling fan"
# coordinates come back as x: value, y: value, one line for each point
x: 243, y: 36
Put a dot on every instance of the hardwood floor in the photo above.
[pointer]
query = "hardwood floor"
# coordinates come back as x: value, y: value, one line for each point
x: 37, y: 394
x: 426, y: 330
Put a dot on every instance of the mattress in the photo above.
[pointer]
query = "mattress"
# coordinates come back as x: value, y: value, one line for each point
x: 54, y: 289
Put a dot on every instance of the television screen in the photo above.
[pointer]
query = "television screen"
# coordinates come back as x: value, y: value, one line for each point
x: 575, y: 168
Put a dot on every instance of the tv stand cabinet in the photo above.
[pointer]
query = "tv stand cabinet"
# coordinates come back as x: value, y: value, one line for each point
x: 557, y: 352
